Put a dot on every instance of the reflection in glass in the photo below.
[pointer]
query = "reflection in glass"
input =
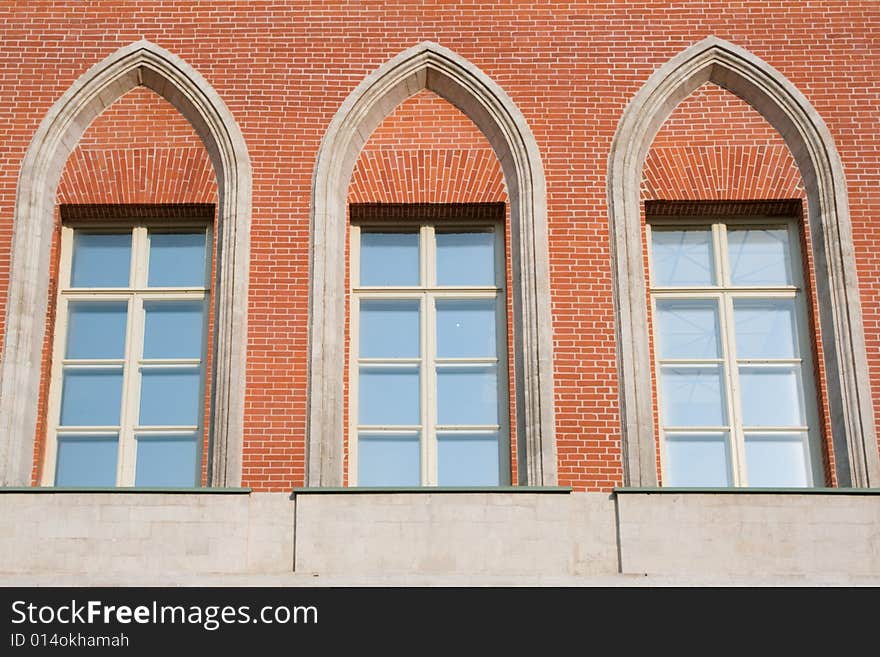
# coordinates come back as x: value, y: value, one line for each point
x: 765, y: 328
x: 693, y: 396
x: 759, y: 256
x: 682, y: 257
x: 688, y: 328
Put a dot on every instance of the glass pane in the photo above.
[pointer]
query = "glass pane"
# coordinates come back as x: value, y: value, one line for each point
x: 389, y: 329
x: 86, y: 461
x: 466, y: 259
x: 91, y: 397
x: 466, y: 328
x: 771, y: 396
x: 765, y: 328
x: 170, y: 397
x: 101, y: 259
x: 467, y: 460
x: 166, y: 461
x: 682, y: 257
x: 389, y: 395
x: 688, y: 328
x: 693, y: 397
x: 388, y: 460
x: 177, y: 260
x: 96, y: 330
x: 777, y: 460
x: 697, y: 460
x: 467, y: 395
x: 389, y: 259
x: 173, y: 329
x: 759, y: 257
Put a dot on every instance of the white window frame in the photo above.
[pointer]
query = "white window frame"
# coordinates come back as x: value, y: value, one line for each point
x: 427, y: 293
x: 135, y: 295
x: 724, y: 292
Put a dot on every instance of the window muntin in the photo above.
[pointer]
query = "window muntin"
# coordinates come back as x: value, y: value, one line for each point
x: 732, y: 355
x: 428, y: 401
x: 127, y: 392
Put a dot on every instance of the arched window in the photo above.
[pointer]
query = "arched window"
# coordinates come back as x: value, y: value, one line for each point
x: 787, y: 110
x: 429, y: 66
x: 139, y: 64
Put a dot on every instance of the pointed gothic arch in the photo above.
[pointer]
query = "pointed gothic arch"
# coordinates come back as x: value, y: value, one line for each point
x: 139, y: 64
x: 811, y: 144
x: 430, y: 66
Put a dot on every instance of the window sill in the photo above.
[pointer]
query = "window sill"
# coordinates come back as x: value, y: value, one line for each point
x: 125, y: 490
x: 381, y: 490
x: 744, y: 490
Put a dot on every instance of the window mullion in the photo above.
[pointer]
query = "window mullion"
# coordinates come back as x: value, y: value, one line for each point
x: 134, y: 352
x: 428, y: 341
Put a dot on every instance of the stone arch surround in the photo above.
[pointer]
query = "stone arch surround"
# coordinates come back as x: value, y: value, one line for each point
x: 430, y: 66
x: 139, y: 64
x: 840, y: 318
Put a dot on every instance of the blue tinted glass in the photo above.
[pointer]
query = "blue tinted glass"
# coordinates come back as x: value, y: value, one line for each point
x: 776, y: 460
x: 697, y: 461
x: 759, y: 257
x: 177, y: 260
x: 765, y: 328
x: 167, y: 461
x: 170, y: 397
x: 385, y: 460
x: 86, y: 461
x: 771, y: 396
x: 91, y: 397
x: 466, y: 328
x: 101, y: 260
x: 389, y: 329
x: 693, y: 397
x: 389, y: 396
x: 682, y: 257
x: 173, y: 329
x: 466, y: 259
x: 467, y: 460
x: 96, y: 330
x: 389, y: 259
x: 688, y: 328
x: 467, y: 395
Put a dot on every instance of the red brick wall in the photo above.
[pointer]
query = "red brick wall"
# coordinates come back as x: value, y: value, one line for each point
x: 284, y: 70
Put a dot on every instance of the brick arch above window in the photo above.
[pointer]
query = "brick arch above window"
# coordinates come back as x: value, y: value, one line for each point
x: 139, y: 64
x: 811, y: 144
x: 438, y: 69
